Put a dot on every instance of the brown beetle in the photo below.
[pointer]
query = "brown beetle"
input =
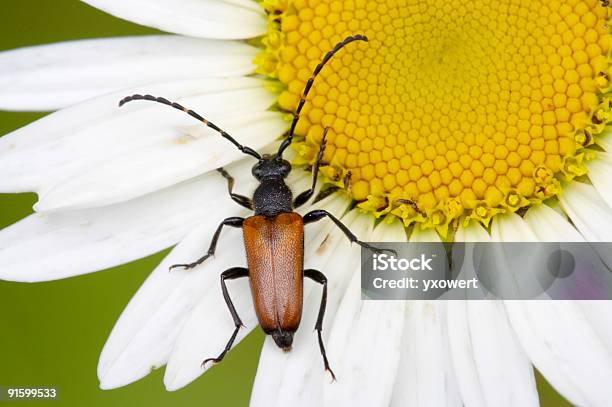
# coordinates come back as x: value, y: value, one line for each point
x: 274, y: 235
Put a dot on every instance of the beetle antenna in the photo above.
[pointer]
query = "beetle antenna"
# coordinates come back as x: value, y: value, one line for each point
x: 328, y: 56
x: 224, y: 134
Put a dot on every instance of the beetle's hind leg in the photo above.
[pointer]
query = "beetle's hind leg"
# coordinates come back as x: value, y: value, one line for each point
x: 230, y: 274
x: 239, y: 199
x: 234, y: 221
x: 318, y: 277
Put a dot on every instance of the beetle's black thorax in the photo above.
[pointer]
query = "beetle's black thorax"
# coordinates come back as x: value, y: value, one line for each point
x: 272, y: 197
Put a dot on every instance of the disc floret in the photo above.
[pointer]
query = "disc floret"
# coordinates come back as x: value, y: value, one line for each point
x: 466, y: 109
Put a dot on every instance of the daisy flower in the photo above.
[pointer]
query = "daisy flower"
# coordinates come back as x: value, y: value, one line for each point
x: 465, y: 121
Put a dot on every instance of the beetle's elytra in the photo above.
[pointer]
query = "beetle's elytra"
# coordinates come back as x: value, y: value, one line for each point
x: 274, y: 235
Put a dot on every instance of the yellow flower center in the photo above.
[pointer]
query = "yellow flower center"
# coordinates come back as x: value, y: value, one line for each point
x: 466, y: 109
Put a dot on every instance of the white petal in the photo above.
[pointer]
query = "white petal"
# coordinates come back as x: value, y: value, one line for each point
x: 250, y: 4
x: 62, y: 144
x: 425, y: 376
x: 466, y: 239
x: 473, y: 233
x: 209, y: 327
x: 198, y: 18
x: 147, y: 330
x: 366, y: 378
x: 511, y: 228
x: 51, y: 246
x: 144, y: 335
x: 568, y: 351
x: 550, y: 226
x: 50, y: 77
x: 599, y: 313
x: 599, y: 173
x: 143, y: 148
x: 159, y: 165
x: 588, y: 211
x: 517, y: 277
x: 605, y: 139
x: 424, y: 236
x: 490, y: 364
x: 297, y: 377
x: 556, y: 334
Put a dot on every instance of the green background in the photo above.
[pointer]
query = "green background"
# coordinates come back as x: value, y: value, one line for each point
x: 51, y: 334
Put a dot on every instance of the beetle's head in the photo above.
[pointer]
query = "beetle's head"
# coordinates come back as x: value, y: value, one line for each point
x: 271, y: 166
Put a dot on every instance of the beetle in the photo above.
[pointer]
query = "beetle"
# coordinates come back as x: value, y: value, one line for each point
x: 274, y: 234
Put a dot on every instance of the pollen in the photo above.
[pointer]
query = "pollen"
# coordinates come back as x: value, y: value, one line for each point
x: 466, y: 109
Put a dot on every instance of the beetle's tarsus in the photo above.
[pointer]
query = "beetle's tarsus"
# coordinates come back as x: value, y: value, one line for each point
x: 382, y: 251
x: 213, y: 360
x: 176, y: 266
x: 375, y: 249
x: 412, y: 204
x: 230, y: 274
x: 239, y: 199
x: 190, y: 265
x: 331, y: 372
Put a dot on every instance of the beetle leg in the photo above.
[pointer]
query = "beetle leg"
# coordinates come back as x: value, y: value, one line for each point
x: 305, y: 196
x: 230, y: 274
x: 319, y: 214
x: 239, y: 199
x: 318, y: 277
x: 234, y: 221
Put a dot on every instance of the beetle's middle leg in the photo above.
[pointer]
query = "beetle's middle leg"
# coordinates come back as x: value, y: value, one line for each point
x: 239, y: 199
x: 230, y: 274
x: 319, y: 214
x: 305, y: 196
x: 318, y: 277
x: 234, y: 221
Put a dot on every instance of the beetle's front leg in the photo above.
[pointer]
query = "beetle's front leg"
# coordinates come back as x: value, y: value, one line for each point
x: 239, y: 199
x: 230, y: 274
x: 234, y: 221
x: 305, y: 196
x: 319, y: 214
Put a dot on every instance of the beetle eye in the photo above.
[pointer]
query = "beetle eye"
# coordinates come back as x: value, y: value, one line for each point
x: 286, y: 168
x: 256, y: 170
